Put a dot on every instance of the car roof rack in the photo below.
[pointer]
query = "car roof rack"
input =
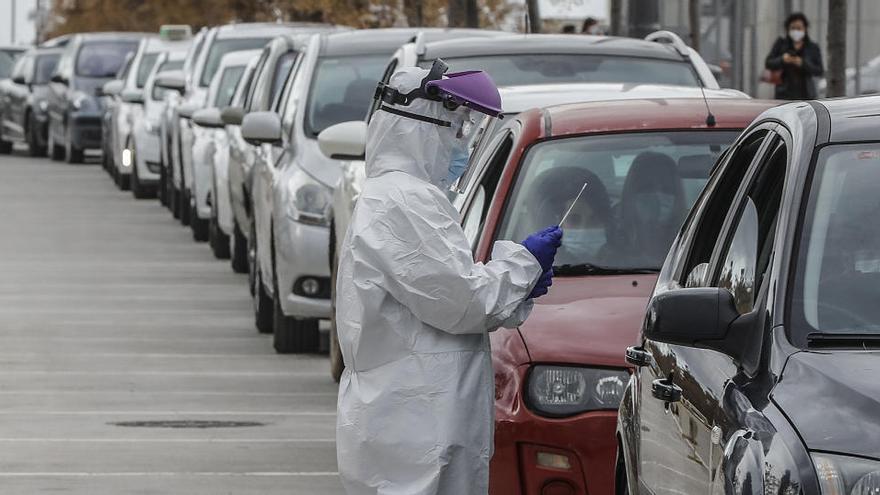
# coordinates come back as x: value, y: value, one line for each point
x: 670, y: 38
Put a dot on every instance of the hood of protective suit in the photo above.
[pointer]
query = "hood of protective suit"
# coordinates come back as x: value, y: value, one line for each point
x: 401, y: 144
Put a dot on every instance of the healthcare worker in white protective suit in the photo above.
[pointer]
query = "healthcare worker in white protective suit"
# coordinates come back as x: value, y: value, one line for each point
x: 415, y: 411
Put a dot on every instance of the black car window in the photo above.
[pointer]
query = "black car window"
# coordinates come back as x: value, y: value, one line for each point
x: 640, y: 186
x: 222, y: 47
x: 749, y: 247
x: 282, y: 70
x: 228, y: 82
x: 45, y: 66
x: 7, y: 61
x: 258, y: 70
x: 148, y: 60
x: 552, y: 68
x: 342, y: 89
x: 837, y: 275
x: 476, y: 213
x: 103, y: 58
x: 719, y: 195
x: 159, y: 93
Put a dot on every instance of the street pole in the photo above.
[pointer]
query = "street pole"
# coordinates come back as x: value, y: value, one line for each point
x: 858, y: 48
x: 836, y: 48
x: 12, y: 22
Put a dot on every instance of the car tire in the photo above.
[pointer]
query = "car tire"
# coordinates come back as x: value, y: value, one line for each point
x: 262, y: 306
x: 123, y: 182
x: 252, y: 259
x: 621, y: 480
x: 138, y: 189
x: 32, y: 134
x: 72, y: 154
x: 238, y: 251
x: 161, y: 190
x: 198, y: 226
x: 174, y: 202
x: 56, y: 151
x: 293, y: 335
x: 184, y: 206
x: 218, y: 240
x: 5, y: 147
x: 337, y: 365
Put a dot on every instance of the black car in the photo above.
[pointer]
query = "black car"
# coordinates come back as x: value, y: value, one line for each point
x: 75, y: 109
x: 758, y: 367
x: 24, y: 101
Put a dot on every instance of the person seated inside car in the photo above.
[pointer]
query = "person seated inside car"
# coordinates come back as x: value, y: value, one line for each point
x: 587, y: 226
x: 652, y: 207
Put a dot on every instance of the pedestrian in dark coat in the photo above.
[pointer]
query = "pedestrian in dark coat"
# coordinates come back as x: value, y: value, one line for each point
x: 798, y: 59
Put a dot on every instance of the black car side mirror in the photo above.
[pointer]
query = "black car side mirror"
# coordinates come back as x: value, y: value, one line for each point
x: 19, y: 80
x: 58, y: 78
x: 704, y: 317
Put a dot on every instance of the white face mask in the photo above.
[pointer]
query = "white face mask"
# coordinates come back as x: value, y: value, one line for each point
x: 584, y: 242
x: 796, y: 35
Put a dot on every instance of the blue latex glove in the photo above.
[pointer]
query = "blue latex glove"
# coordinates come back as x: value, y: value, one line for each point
x: 543, y: 245
x: 543, y: 284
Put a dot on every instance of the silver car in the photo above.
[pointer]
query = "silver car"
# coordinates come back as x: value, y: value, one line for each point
x: 217, y: 42
x: 292, y: 182
x: 211, y: 150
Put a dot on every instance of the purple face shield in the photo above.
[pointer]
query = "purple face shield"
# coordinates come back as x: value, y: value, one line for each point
x: 471, y: 89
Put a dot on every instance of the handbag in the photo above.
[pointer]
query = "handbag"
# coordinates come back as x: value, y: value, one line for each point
x: 773, y: 77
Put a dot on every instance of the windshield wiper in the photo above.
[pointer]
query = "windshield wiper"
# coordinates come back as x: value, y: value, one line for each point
x: 845, y: 340
x: 591, y: 269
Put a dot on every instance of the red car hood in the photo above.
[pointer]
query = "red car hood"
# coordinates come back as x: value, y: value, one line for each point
x: 588, y: 320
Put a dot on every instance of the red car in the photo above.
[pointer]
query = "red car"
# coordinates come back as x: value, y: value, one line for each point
x: 560, y: 377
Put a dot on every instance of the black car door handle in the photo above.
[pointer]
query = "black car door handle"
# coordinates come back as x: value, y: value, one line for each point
x: 663, y: 389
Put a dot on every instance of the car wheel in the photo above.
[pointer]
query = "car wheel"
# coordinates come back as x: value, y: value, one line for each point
x: 71, y: 153
x: 337, y: 365
x: 33, y: 136
x: 238, y: 251
x: 218, y: 240
x: 161, y: 190
x: 262, y: 305
x: 5, y: 147
x: 198, y: 226
x: 174, y: 202
x: 293, y: 335
x: 184, y: 206
x: 252, y: 259
x: 56, y: 151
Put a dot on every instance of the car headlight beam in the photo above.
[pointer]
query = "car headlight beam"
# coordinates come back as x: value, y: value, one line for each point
x: 842, y: 475
x: 558, y: 391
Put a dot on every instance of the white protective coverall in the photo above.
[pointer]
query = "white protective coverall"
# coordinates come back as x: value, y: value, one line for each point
x: 416, y: 400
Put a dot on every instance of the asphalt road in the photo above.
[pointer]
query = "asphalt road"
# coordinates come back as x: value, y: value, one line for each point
x: 115, y: 326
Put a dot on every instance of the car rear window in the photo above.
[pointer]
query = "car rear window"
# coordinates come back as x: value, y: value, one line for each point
x: 45, y: 67
x: 144, y: 69
x: 837, y: 279
x: 640, y: 187
x: 103, y: 58
x: 342, y: 90
x: 222, y: 47
x: 534, y: 68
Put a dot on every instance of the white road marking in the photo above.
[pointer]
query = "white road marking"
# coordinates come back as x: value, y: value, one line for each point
x: 167, y: 440
x: 167, y: 392
x: 163, y: 373
x: 166, y: 413
x: 87, y: 474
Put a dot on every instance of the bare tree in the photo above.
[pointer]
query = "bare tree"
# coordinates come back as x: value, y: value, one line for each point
x: 836, y: 47
x: 616, y: 17
x: 463, y: 13
x: 534, y: 16
x: 694, y: 18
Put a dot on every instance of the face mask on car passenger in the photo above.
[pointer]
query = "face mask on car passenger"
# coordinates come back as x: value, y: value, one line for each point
x: 654, y: 206
x: 584, y: 242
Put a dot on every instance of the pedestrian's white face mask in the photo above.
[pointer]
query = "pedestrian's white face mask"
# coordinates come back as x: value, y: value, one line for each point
x: 796, y: 35
x: 464, y: 127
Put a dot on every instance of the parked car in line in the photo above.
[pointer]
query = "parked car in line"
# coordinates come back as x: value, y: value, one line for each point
x: 129, y: 106
x: 23, y: 101
x: 199, y: 70
x: 292, y: 182
x: 274, y: 64
x: 240, y: 162
x: 757, y: 362
x: 8, y: 57
x: 146, y: 146
x: 561, y: 375
x: 211, y: 149
x: 75, y: 111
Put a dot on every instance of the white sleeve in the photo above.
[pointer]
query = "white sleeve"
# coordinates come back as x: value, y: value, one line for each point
x: 419, y: 255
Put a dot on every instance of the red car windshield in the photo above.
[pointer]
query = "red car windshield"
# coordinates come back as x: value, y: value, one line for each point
x: 640, y: 187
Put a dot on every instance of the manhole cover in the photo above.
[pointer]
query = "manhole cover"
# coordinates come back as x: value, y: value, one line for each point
x: 187, y: 423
